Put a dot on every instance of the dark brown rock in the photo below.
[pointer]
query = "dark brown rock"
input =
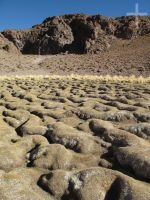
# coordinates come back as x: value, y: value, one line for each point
x: 76, y: 34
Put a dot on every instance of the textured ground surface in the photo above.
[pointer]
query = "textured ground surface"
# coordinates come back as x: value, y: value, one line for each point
x: 74, y: 140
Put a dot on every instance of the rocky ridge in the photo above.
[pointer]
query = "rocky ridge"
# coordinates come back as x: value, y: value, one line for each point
x: 76, y: 34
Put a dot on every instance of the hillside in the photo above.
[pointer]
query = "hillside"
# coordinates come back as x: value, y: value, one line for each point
x: 81, y: 44
x: 76, y: 34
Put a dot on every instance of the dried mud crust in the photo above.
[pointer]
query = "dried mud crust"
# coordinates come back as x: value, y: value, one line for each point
x: 74, y: 140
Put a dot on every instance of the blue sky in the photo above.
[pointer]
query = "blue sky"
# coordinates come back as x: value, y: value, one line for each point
x: 19, y: 14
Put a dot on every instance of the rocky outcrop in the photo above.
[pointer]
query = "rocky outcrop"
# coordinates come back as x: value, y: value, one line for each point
x: 76, y: 34
x: 7, y: 46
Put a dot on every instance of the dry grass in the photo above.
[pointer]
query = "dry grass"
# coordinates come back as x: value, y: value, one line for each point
x: 107, y: 78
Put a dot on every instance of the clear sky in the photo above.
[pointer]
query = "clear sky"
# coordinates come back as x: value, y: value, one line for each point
x: 20, y: 14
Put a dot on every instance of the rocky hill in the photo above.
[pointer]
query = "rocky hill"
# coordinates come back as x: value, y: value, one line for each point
x: 78, y: 44
x: 76, y: 34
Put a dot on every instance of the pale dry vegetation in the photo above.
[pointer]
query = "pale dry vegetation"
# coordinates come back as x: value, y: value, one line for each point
x: 63, y: 134
x: 107, y: 78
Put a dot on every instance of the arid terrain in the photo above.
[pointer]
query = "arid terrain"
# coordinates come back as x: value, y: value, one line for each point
x: 123, y: 58
x: 78, y: 44
x: 75, y: 110
x: 74, y: 139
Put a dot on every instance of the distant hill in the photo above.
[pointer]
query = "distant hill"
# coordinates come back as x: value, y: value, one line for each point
x: 76, y: 34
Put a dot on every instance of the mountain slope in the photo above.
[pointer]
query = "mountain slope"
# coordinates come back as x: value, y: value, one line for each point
x: 80, y: 44
x: 76, y: 34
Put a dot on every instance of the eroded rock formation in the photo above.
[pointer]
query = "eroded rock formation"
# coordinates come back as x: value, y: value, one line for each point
x: 76, y: 34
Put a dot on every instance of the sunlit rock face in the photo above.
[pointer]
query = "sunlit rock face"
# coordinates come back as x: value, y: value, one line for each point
x: 76, y: 34
x: 8, y: 46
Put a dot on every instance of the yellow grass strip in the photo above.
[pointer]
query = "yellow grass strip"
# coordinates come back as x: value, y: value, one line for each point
x: 107, y: 78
